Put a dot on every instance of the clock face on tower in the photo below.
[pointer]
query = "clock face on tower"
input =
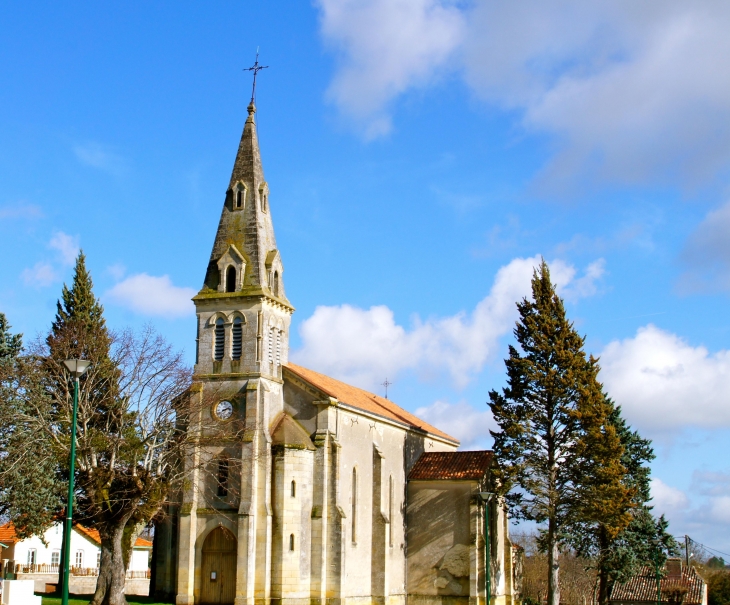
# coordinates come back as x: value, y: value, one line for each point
x: 223, y: 410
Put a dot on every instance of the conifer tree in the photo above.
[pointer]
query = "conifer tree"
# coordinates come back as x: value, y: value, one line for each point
x: 30, y: 492
x: 619, y: 552
x: 551, y: 401
x: 10, y: 344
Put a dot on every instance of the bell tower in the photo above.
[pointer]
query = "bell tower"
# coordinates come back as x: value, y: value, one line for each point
x: 243, y: 312
x: 243, y: 320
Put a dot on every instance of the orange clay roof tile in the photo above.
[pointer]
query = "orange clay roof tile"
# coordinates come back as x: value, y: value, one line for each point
x: 366, y: 401
x: 451, y: 465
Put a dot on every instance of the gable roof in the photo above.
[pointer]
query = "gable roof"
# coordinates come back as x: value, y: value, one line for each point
x: 451, y: 465
x: 366, y: 401
x: 642, y: 587
x: 8, y: 535
x: 289, y: 433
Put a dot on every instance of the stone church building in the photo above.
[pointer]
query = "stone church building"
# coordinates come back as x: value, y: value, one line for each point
x: 306, y: 490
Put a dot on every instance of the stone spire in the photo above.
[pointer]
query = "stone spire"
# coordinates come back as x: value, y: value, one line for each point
x: 245, y: 241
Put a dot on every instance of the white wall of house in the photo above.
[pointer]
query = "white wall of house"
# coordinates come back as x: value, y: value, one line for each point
x: 84, y: 551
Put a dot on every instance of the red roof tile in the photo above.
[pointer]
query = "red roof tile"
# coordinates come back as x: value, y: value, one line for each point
x: 7, y: 534
x: 363, y: 400
x: 451, y: 465
x: 642, y: 587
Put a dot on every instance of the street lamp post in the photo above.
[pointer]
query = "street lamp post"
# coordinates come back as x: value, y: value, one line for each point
x: 486, y: 498
x: 76, y: 368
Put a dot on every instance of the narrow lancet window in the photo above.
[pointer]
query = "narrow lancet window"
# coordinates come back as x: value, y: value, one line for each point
x: 291, y: 542
x: 354, y: 505
x: 276, y: 283
x: 222, y: 478
x: 293, y: 489
x: 278, y: 347
x: 237, y: 334
x: 220, y: 338
x: 231, y: 279
x: 390, y: 510
x: 239, y: 199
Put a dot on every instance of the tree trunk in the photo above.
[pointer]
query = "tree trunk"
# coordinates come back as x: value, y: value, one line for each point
x: 603, y: 543
x: 112, y: 569
x: 553, y: 565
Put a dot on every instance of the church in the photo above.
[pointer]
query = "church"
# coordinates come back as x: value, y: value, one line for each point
x: 305, y: 490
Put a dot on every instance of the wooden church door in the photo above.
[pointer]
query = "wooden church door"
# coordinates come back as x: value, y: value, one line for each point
x: 219, y: 568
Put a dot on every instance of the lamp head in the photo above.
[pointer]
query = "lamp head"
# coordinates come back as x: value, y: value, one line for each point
x: 77, y: 366
x: 486, y: 496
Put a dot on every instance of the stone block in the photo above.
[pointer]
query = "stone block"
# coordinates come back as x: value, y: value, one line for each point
x: 19, y: 592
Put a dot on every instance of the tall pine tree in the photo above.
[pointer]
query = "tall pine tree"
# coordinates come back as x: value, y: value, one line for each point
x: 552, y: 405
x: 619, y: 550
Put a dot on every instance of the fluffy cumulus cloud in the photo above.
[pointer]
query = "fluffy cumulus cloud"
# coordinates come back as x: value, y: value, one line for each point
x: 667, y: 500
x: 66, y: 246
x: 461, y: 420
x: 386, y: 47
x: 363, y: 345
x: 665, y: 384
x: 153, y: 296
x: 39, y: 275
x: 636, y: 91
x: 45, y: 273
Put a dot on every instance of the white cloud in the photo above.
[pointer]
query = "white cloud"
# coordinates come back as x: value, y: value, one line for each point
x: 665, y: 384
x: 363, y: 346
x: 707, y: 254
x: 386, y: 47
x: 667, y: 500
x: 40, y: 275
x: 149, y: 295
x: 460, y: 420
x: 99, y: 156
x: 635, y: 91
x: 67, y: 247
x: 21, y: 210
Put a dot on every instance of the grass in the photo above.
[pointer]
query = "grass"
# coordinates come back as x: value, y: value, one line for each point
x: 84, y: 600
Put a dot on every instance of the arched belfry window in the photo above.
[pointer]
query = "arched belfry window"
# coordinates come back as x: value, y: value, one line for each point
x: 237, y: 338
x: 220, y: 338
x: 231, y: 279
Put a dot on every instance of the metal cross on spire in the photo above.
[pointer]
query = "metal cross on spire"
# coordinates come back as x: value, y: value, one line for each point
x: 386, y: 384
x: 255, y: 68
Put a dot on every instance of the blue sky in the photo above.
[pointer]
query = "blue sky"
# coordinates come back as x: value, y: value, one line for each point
x: 421, y: 155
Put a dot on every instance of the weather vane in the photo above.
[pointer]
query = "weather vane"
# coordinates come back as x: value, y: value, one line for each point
x: 256, y: 68
x: 386, y: 384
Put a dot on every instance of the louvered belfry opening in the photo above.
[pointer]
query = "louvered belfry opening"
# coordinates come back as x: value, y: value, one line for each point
x: 237, y: 334
x: 220, y: 337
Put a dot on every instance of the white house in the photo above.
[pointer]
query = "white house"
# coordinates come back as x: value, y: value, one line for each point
x: 32, y: 553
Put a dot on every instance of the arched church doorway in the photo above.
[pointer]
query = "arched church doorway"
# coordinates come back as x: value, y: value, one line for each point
x: 218, y: 568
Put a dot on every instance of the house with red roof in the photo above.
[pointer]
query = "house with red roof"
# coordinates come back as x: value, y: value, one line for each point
x: 36, y: 555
